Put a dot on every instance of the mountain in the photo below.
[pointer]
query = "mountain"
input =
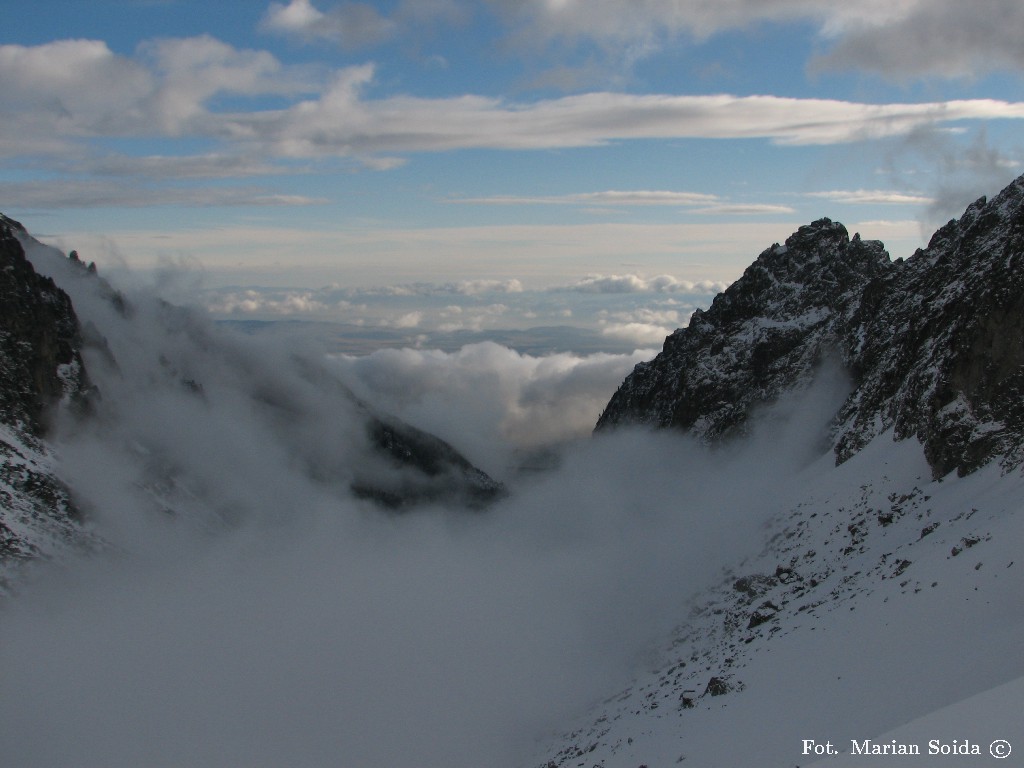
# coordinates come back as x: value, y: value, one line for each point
x: 808, y: 545
x: 40, y: 367
x: 882, y: 611
x: 933, y: 345
x: 56, y: 368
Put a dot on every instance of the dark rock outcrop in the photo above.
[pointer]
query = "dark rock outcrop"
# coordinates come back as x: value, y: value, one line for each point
x: 934, y: 345
x: 763, y: 335
x: 40, y: 365
x: 40, y: 362
x: 433, y: 471
x: 939, y: 349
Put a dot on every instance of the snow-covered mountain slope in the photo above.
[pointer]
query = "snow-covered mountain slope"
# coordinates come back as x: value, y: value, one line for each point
x: 40, y: 367
x: 934, y: 344
x: 890, y: 583
x: 882, y: 595
x: 133, y: 392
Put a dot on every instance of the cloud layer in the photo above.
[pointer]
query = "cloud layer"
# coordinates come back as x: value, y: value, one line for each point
x: 57, y: 94
x: 900, y: 40
x: 251, y: 612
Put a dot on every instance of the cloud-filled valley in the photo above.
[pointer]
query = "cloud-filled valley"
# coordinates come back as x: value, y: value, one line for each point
x: 510, y: 384
x: 276, y: 552
x: 249, y: 610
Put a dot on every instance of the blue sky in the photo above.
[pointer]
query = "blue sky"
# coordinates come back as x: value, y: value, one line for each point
x: 542, y: 143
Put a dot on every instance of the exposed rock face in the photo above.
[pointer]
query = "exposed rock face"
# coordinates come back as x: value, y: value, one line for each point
x: 939, y: 344
x: 934, y: 344
x: 40, y: 364
x: 765, y: 334
x: 40, y: 361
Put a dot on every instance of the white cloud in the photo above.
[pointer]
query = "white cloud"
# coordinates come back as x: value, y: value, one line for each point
x: 57, y: 99
x: 746, y: 209
x: 637, y: 284
x: 298, y: 16
x: 641, y: 333
x: 80, y: 88
x: 653, y: 20
x: 69, y: 88
x: 408, y: 320
x: 873, y: 197
x: 341, y: 122
x: 488, y: 399
x: 275, y: 620
x: 258, y: 302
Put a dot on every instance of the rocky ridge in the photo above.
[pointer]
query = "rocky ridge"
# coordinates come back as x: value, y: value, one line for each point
x: 934, y: 344
x: 45, y: 352
x: 40, y: 366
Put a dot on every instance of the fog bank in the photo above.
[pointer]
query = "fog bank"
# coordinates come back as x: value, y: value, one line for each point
x: 250, y: 612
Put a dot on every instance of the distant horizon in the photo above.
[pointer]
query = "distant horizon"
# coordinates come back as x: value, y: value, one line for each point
x: 310, y: 142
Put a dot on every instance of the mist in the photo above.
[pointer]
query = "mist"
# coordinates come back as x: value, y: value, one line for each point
x: 493, y: 403
x: 247, y: 610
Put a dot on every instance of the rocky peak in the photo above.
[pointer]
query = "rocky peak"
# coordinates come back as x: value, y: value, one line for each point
x: 934, y: 344
x: 40, y: 361
x: 765, y: 333
x: 941, y: 356
x: 40, y: 365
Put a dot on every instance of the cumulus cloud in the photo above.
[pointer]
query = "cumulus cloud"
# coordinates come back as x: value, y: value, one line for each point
x: 640, y: 333
x: 260, y: 302
x: 80, y: 88
x: 488, y: 399
x: 597, y: 313
x: 636, y: 284
x: 644, y: 325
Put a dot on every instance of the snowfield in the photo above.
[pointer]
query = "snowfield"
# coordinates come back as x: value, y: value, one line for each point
x: 884, y: 606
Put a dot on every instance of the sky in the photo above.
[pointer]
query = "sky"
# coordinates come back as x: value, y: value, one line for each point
x: 284, y: 152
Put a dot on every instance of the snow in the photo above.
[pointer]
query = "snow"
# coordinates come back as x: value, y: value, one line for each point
x: 990, y: 719
x: 900, y: 630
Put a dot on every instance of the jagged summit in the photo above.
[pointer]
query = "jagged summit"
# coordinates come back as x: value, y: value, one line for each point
x: 934, y: 344
x: 763, y: 335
